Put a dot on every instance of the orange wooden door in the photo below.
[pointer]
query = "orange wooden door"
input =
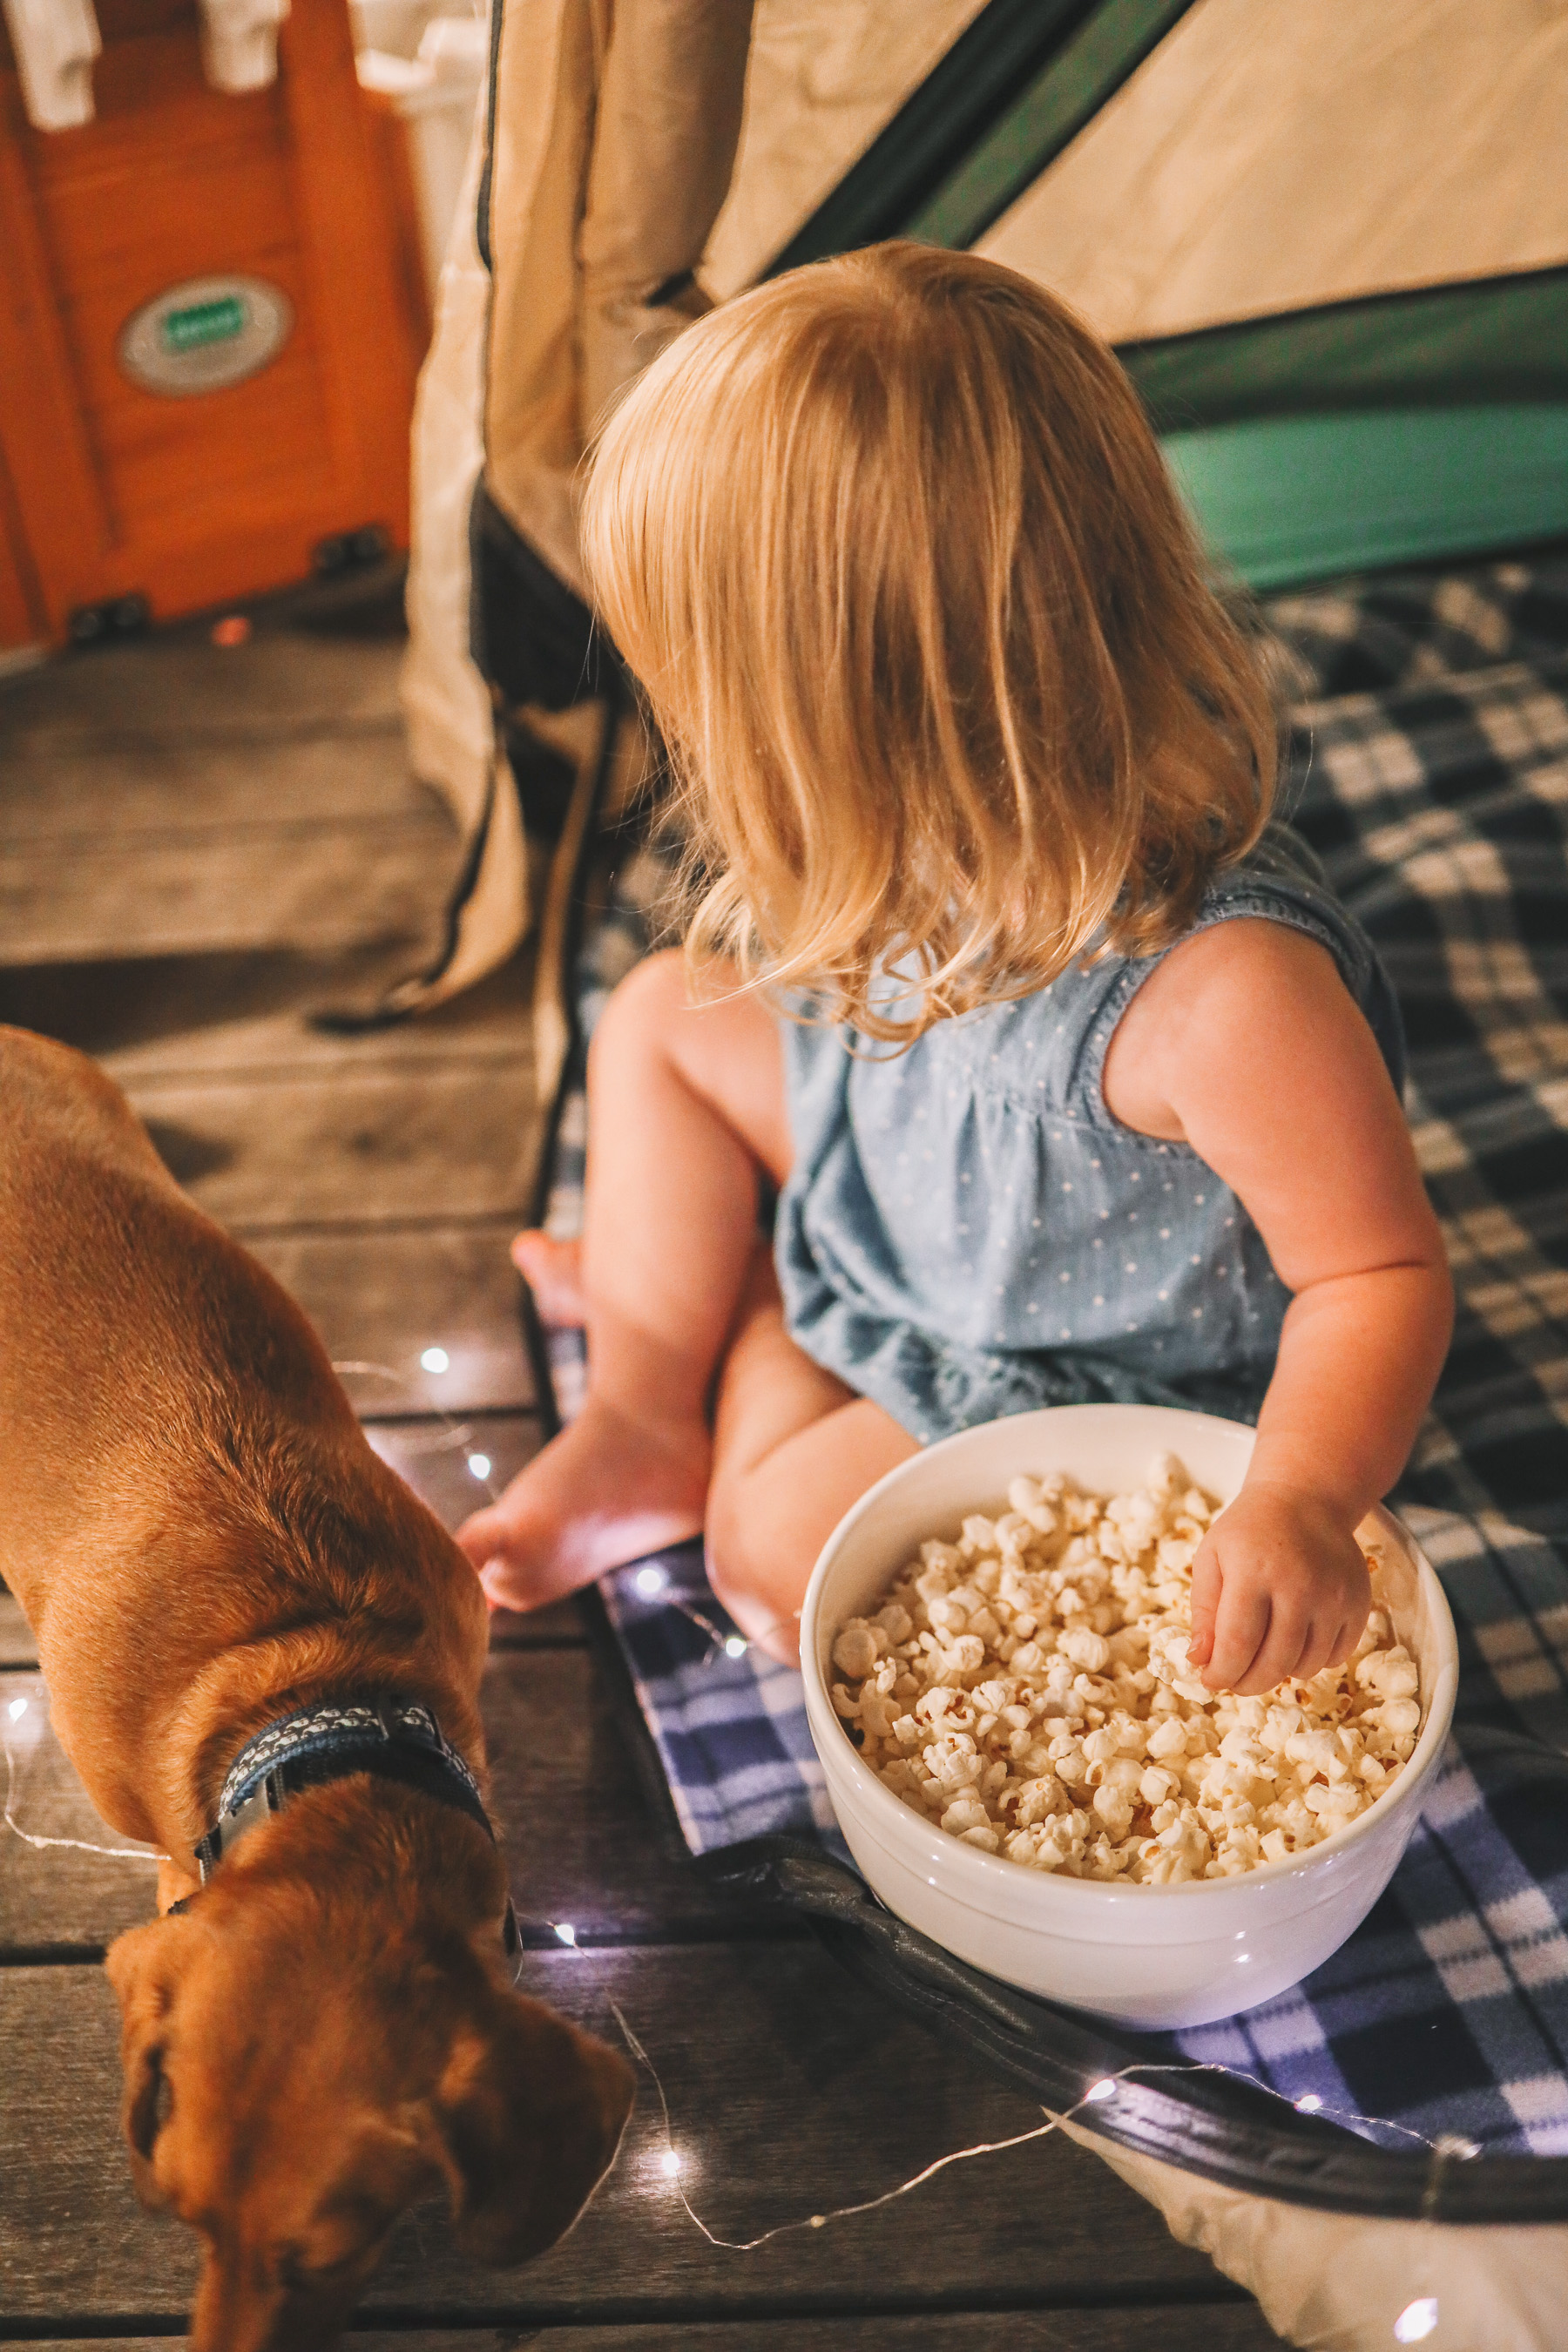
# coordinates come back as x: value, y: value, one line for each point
x: 194, y: 497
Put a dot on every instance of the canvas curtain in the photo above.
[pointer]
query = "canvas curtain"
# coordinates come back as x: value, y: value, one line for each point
x: 602, y: 154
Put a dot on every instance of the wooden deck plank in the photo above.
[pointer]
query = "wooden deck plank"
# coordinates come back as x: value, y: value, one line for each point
x: 143, y: 782
x: 177, y: 687
x: 321, y: 885
x: 193, y: 1010
x: 1203, y: 2327
x: 262, y: 1025
x: 18, y: 1644
x: 557, y: 1625
x: 383, y: 1298
x: 791, y: 2093
x: 57, y: 1898
x: 580, y: 1845
x: 434, y: 1457
x: 267, y: 1156
x: 139, y: 777
x: 211, y: 1011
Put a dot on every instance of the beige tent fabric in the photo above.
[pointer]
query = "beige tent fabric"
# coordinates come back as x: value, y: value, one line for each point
x: 1331, y: 2282
x: 1273, y: 153
x: 825, y: 77
x: 452, y: 741
x: 615, y: 130
x: 616, y: 126
x: 445, y: 702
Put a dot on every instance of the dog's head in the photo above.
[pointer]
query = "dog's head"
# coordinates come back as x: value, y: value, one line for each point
x: 299, y: 2070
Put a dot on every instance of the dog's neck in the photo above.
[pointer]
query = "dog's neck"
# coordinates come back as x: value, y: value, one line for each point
x: 386, y: 1736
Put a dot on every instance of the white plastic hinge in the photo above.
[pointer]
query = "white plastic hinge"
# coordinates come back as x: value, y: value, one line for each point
x: 239, y: 43
x: 55, y: 43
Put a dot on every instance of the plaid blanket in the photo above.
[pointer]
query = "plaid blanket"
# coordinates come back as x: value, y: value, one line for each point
x: 1429, y: 768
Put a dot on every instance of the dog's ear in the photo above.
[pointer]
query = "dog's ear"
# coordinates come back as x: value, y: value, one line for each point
x: 142, y: 1969
x: 529, y: 2113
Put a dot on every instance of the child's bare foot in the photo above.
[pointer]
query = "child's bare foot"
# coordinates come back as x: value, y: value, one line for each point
x: 606, y: 1490
x: 554, y: 1272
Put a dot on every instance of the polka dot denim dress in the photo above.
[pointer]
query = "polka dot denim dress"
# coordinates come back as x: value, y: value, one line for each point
x: 968, y: 1232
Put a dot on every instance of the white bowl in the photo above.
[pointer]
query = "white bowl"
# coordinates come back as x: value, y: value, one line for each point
x: 1143, y: 1956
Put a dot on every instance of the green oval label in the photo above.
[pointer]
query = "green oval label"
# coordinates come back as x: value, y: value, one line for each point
x: 205, y: 334
x: 204, y: 323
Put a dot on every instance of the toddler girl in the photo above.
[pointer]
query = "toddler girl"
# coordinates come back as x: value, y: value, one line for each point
x: 1072, y: 1077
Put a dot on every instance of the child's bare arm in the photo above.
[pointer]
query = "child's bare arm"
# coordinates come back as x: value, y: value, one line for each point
x: 1251, y: 1049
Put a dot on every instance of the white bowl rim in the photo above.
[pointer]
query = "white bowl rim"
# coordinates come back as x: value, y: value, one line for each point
x: 991, y: 1872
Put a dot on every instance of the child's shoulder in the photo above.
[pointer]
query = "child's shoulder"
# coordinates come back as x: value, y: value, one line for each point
x: 1251, y: 1005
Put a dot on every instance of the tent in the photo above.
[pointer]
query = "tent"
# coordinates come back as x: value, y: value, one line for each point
x: 1330, y: 244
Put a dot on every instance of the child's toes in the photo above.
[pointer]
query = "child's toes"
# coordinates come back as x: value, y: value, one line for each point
x: 502, y: 1586
x: 501, y: 1558
x: 554, y: 1272
x: 483, y: 1539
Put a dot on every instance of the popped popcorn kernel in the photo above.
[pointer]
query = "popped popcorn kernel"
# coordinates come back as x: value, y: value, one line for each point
x: 1029, y: 1687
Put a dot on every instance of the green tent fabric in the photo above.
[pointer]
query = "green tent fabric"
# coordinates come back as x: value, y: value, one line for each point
x: 1287, y: 499
x: 1397, y: 424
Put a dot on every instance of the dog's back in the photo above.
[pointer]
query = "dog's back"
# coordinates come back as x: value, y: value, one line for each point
x: 179, y: 1470
x: 204, y: 1541
x: 96, y: 1236
x: 136, y: 1333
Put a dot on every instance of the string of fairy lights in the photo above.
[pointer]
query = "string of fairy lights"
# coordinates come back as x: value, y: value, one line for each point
x: 1415, y: 2322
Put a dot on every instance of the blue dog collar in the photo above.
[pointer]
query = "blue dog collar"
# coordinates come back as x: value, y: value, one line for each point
x: 390, y: 1738
x: 335, y: 1729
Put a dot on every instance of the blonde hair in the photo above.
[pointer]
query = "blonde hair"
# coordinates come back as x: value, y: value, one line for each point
x: 892, y: 552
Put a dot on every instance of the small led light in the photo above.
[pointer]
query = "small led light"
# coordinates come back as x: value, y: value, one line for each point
x: 479, y: 1465
x: 1242, y: 1958
x: 1104, y: 2089
x: 650, y: 1580
x: 436, y: 1359
x: 669, y: 2162
x: 1416, y: 2321
x: 566, y: 1930
x: 735, y: 1647
x: 1308, y: 2103
x: 18, y: 1706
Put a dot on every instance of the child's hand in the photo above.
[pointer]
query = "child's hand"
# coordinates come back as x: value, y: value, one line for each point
x: 1279, y: 1587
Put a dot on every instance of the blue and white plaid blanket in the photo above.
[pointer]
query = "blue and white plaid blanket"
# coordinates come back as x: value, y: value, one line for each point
x: 1430, y: 771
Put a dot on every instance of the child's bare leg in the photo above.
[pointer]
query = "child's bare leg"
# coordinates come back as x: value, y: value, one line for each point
x: 793, y: 1448
x: 685, y: 1106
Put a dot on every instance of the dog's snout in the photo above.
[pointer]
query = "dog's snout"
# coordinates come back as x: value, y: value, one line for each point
x: 240, y: 2308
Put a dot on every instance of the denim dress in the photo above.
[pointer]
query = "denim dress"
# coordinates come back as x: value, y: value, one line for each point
x: 967, y: 1231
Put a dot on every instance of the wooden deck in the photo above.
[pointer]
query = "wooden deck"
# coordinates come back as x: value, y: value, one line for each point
x: 196, y: 847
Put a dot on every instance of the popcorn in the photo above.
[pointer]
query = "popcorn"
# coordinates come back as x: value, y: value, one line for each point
x: 1030, y: 1687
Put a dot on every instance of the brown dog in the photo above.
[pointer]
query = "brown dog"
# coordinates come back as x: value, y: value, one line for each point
x: 205, y: 1544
